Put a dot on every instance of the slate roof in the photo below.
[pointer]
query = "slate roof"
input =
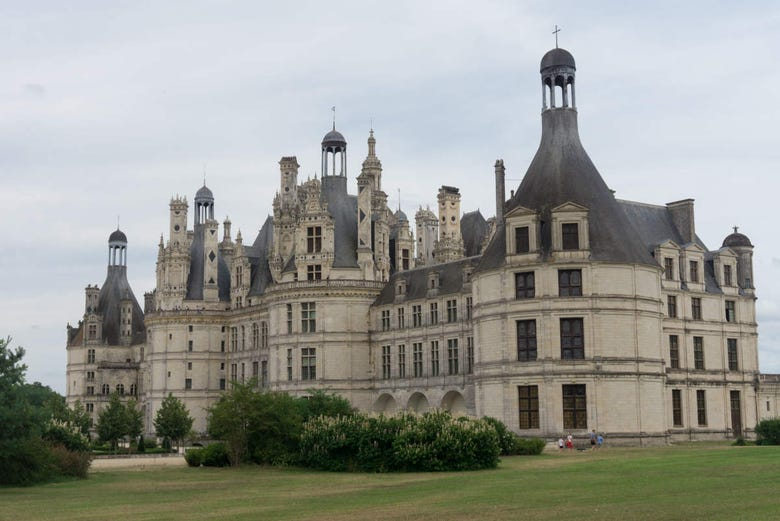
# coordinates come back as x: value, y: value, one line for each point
x: 451, y: 281
x: 473, y: 228
x: 343, y: 208
x: 114, y: 289
x: 195, y: 279
x: 258, y: 258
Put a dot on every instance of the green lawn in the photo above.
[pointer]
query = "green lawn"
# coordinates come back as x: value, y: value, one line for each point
x: 691, y: 482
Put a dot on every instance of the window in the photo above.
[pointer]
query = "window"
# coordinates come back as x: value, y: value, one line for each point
x: 90, y: 356
x: 188, y: 383
x: 452, y: 355
x: 701, y: 406
x: 289, y: 365
x: 434, y: 313
x: 314, y: 239
x: 189, y: 328
x: 314, y: 272
x: 570, y: 236
x: 696, y: 308
x: 120, y: 388
x: 308, y: 363
x: 698, y: 352
x: 222, y: 366
x: 385, y: 320
x: 264, y: 335
x: 264, y: 374
x: 221, y: 384
x: 470, y: 355
x: 222, y: 346
x: 469, y: 305
x: 233, y: 372
x: 289, y: 319
x: 90, y: 390
x: 417, y: 359
x: 90, y: 375
x: 189, y: 366
x: 575, y: 411
x: 308, y: 317
x: 732, y: 354
x: 386, y: 362
x: 727, y: 275
x: 522, y: 243
x: 572, y: 339
x: 401, y: 318
x: 234, y: 339
x: 671, y: 306
x: 524, y: 285
x: 402, y: 361
x: 668, y: 268
x: 677, y: 417
x: 570, y: 283
x: 674, y: 351
x: 255, y: 370
x: 694, y: 270
x: 255, y: 336
x: 731, y: 311
x: 452, y: 311
x: 435, y: 358
x: 189, y: 346
x: 528, y: 406
x: 405, y: 258
x: 526, y: 340
x: 417, y: 316
x: 90, y: 407
x: 105, y: 389
x: 92, y: 332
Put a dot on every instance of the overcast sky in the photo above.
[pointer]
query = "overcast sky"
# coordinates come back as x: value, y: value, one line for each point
x: 109, y: 108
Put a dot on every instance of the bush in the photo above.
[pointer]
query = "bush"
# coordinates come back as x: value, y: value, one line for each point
x: 150, y: 443
x: 768, y: 432
x: 25, y: 462
x: 194, y: 457
x: 141, y: 447
x: 70, y: 462
x: 529, y: 446
x: 215, y: 455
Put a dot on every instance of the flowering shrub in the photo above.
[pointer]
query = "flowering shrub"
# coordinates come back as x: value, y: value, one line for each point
x: 434, y: 441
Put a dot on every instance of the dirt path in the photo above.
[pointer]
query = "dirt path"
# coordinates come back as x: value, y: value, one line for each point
x: 136, y: 463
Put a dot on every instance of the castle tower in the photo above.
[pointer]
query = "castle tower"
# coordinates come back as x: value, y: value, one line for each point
x: 742, y: 246
x: 427, y: 232
x: 204, y: 217
x: 404, y: 242
x: 449, y: 247
x: 288, y: 181
x: 178, y: 220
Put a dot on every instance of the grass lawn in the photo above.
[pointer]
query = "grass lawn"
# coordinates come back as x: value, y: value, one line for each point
x: 691, y: 482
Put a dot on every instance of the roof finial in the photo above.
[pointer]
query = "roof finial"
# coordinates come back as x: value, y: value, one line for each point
x: 371, y: 120
x: 736, y: 229
x: 204, y: 172
x: 399, y: 199
x: 333, y: 108
x: 555, y: 32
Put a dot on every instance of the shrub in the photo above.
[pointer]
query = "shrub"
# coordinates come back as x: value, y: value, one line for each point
x: 768, y: 432
x: 70, y: 462
x: 529, y: 446
x: 150, y: 443
x: 215, y: 455
x: 141, y: 447
x: 194, y: 457
x: 24, y: 462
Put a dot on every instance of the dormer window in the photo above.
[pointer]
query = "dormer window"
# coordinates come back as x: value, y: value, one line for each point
x: 570, y: 236
x: 694, y: 271
x: 400, y: 288
x: 569, y: 228
x: 727, y: 278
x: 668, y: 268
x: 522, y: 240
x: 433, y: 280
x: 314, y: 239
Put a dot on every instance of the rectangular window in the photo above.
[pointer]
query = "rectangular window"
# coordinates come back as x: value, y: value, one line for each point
x: 289, y: 365
x: 189, y: 328
x: 401, y: 318
x: 243, y: 338
x: 314, y: 272
x: 189, y: 366
x: 674, y: 351
x: 434, y: 313
x: 233, y: 372
x: 90, y: 356
x: 727, y: 275
x: 264, y: 374
x: 222, y: 366
x: 698, y: 352
x: 452, y: 311
x: 90, y: 375
x: 525, y: 285
x: 701, y: 406
x: 671, y: 306
x: 570, y: 236
x: 572, y: 339
x: 92, y: 332
x: 90, y: 390
x: 696, y: 308
x: 435, y: 358
x: 234, y: 339
x: 90, y: 407
x: 575, y: 409
x: 386, y: 362
x: 255, y: 370
x: 221, y: 384
x: 405, y: 258
x: 731, y: 311
x: 385, y: 320
x: 417, y: 315
x: 308, y: 363
x: 694, y: 271
x: 308, y: 317
x: 188, y: 383
x: 528, y: 406
x: 222, y: 346
x: 470, y: 355
x: 452, y: 355
x: 677, y: 416
x: 668, y: 268
x: 570, y: 283
x: 469, y: 305
x: 289, y: 319
x: 313, y: 239
x: 264, y: 335
x: 526, y: 340
x: 401, y: 361
x: 255, y: 336
x: 522, y: 243
x: 189, y: 345
x: 732, y: 353
x: 417, y: 359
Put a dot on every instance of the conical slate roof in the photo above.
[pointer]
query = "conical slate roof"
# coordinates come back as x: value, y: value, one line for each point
x: 114, y: 290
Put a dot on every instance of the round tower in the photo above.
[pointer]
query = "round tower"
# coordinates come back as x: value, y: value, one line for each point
x: 557, y: 69
x: 117, y: 249
x: 334, y: 146
x: 204, y: 205
x: 741, y: 245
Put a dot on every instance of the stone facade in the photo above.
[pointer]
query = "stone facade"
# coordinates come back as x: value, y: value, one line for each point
x: 569, y: 311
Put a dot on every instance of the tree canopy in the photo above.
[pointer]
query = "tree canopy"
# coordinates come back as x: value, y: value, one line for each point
x: 173, y: 420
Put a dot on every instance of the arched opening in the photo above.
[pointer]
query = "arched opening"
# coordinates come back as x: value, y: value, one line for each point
x: 385, y: 404
x: 454, y: 402
x: 418, y: 403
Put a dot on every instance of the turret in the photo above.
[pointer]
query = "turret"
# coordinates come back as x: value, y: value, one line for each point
x: 288, y: 181
x: 427, y: 233
x: 178, y: 220
x: 449, y: 247
x: 742, y: 246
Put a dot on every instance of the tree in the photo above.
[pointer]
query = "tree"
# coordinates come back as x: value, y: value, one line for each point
x: 134, y: 419
x: 321, y: 403
x: 173, y: 420
x: 112, y: 421
x: 16, y: 414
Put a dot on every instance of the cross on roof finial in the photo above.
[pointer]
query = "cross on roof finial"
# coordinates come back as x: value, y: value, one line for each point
x: 333, y: 108
x: 555, y: 32
x: 736, y: 229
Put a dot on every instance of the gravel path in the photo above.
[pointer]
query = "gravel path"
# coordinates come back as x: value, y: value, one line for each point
x: 137, y: 463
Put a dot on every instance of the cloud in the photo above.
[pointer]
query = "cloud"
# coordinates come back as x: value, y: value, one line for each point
x: 35, y: 90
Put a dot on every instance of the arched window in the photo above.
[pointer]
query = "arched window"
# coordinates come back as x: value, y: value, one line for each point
x: 120, y: 388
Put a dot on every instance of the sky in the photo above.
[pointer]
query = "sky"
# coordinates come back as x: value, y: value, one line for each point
x: 108, y: 109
